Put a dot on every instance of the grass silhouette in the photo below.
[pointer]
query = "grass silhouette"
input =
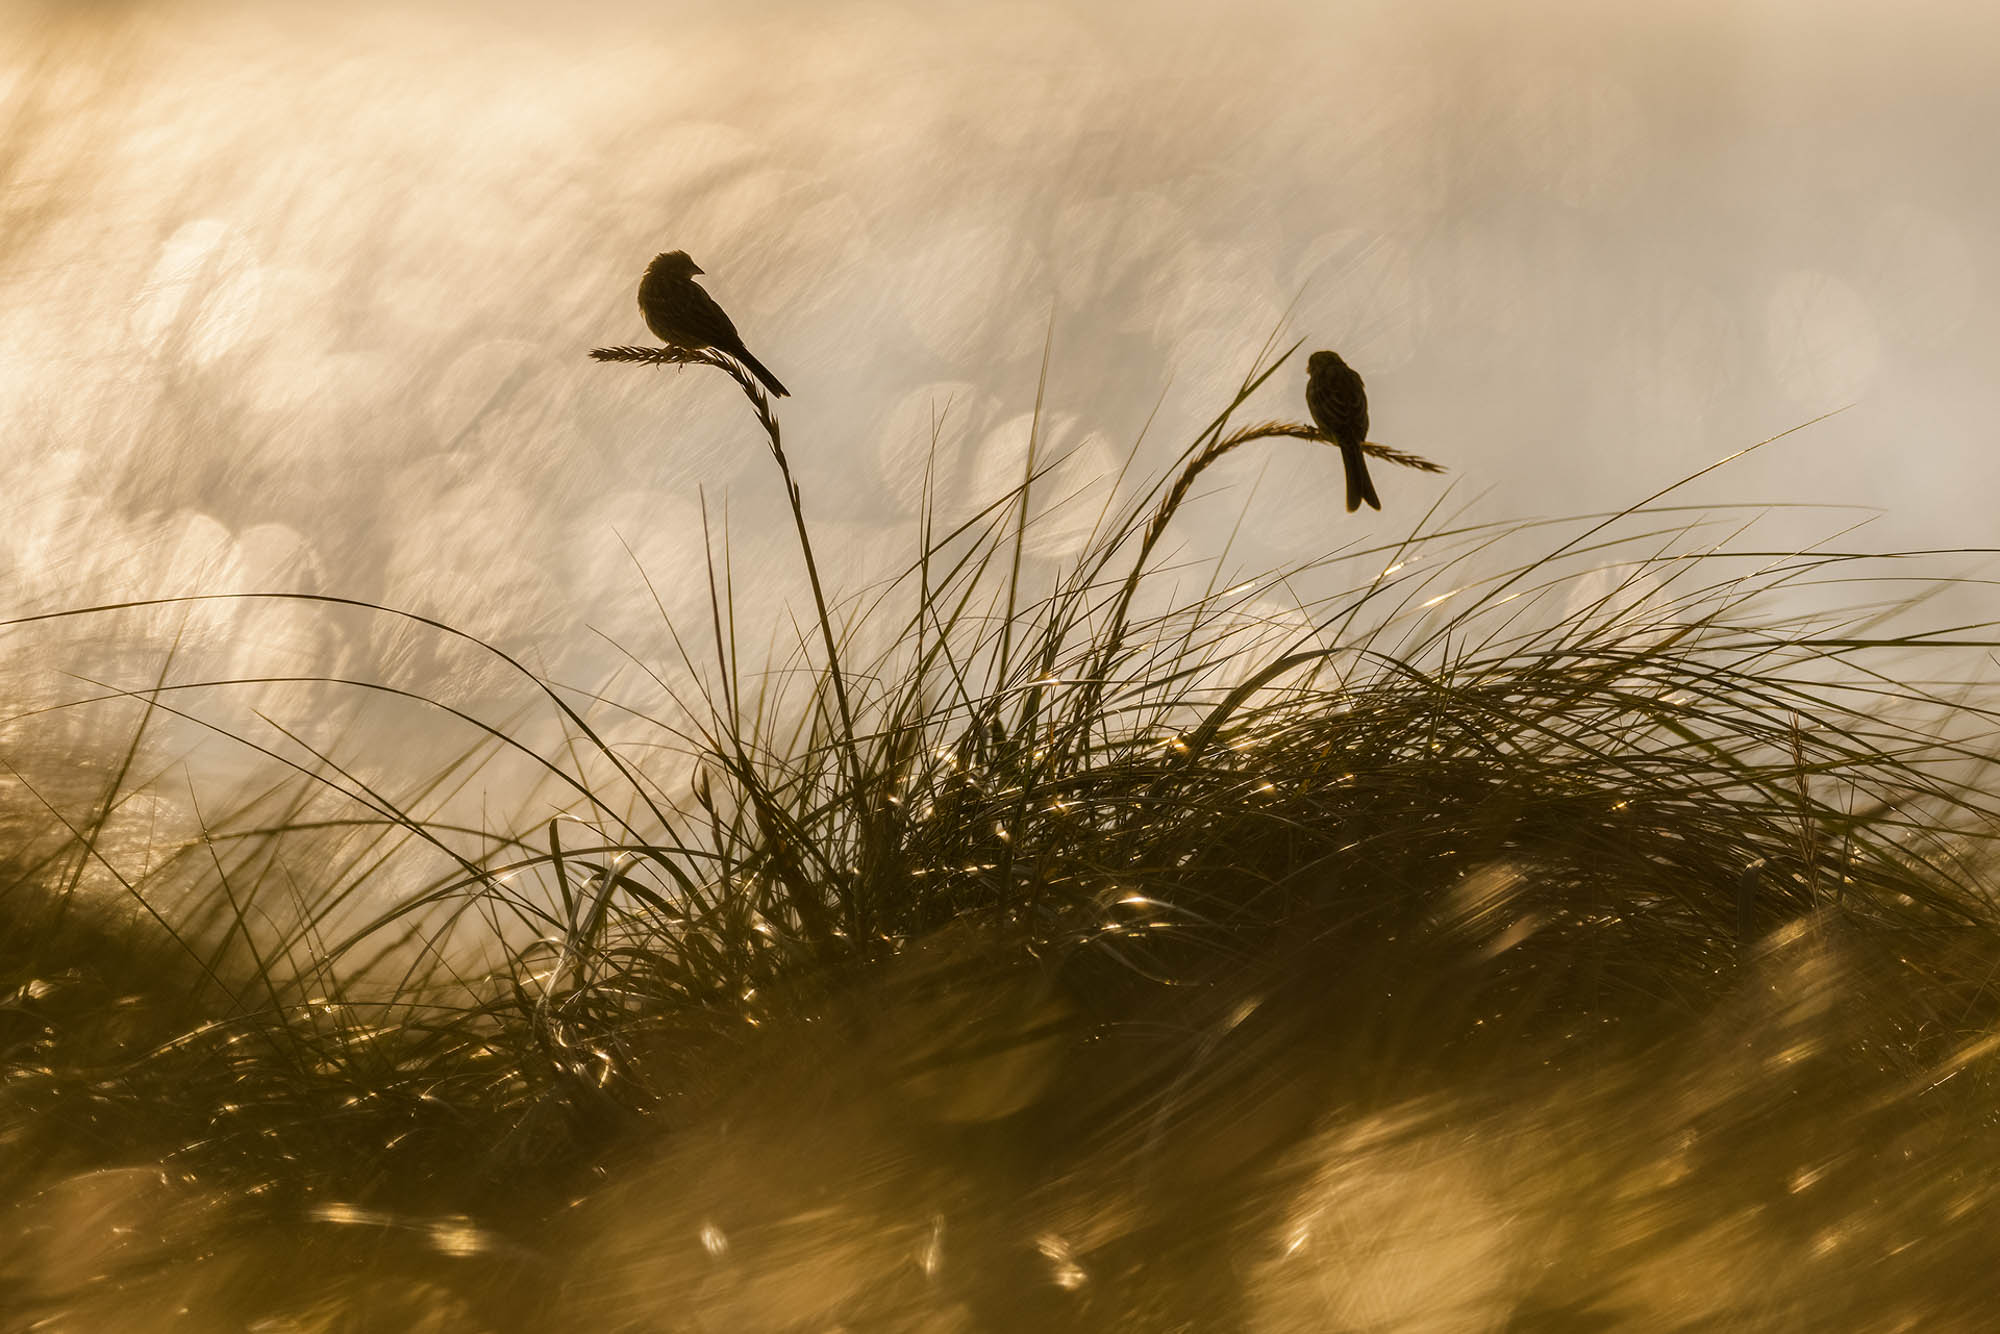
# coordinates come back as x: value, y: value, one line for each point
x: 1106, y: 890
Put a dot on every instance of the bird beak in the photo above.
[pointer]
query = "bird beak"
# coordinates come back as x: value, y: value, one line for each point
x: 696, y: 267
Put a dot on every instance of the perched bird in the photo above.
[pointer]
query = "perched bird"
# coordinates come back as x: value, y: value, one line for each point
x: 1339, y: 406
x: 681, y: 315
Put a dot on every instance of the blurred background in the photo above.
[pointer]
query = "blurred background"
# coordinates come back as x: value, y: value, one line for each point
x: 294, y: 298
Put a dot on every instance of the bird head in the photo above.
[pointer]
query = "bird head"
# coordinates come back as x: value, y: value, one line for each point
x: 673, y: 264
x: 1321, y: 362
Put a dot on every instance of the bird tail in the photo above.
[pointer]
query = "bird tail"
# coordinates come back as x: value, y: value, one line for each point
x: 1360, y: 487
x: 763, y: 372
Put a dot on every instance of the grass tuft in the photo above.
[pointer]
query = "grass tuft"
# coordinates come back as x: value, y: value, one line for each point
x: 1464, y: 819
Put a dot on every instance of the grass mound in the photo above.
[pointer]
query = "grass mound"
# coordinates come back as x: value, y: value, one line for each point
x: 1107, y: 892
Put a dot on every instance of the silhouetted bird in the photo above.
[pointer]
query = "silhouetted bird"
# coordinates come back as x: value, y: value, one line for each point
x: 1339, y: 406
x: 681, y: 315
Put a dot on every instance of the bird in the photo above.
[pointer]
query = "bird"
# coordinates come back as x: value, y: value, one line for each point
x: 681, y: 314
x: 1339, y: 405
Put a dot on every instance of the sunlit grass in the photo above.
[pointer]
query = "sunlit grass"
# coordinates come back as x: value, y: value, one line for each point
x: 1479, y: 822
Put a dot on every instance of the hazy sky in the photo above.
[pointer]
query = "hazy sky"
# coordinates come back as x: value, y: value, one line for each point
x: 299, y: 296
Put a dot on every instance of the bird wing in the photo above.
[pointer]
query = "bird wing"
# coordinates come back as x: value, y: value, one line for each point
x: 707, y: 321
x: 1339, y: 403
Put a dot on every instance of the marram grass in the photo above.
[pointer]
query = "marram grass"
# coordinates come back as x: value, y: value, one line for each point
x: 1095, y: 956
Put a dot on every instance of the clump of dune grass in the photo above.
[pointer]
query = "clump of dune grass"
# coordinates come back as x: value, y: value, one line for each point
x: 1507, y: 805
